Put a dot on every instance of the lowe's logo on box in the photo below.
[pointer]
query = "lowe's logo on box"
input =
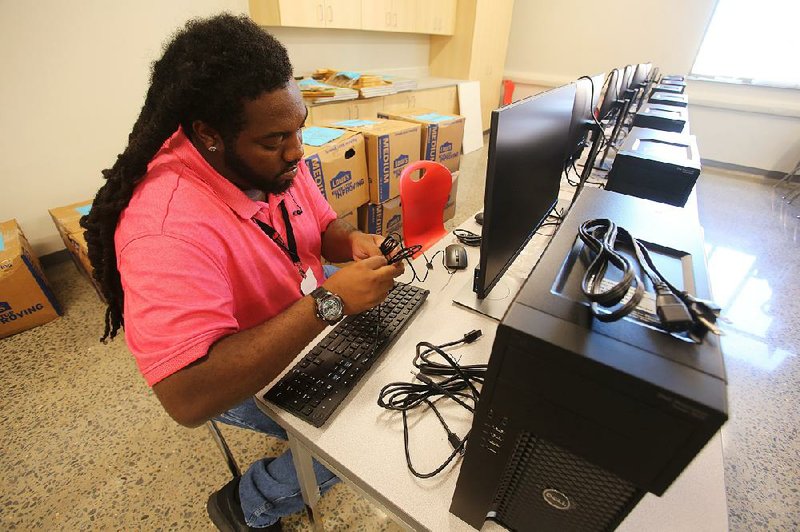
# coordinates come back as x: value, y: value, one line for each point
x: 341, y: 178
x: 7, y: 314
x: 401, y: 161
x: 447, y: 147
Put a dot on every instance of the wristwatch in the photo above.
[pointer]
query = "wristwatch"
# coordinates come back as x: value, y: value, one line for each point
x: 330, y: 307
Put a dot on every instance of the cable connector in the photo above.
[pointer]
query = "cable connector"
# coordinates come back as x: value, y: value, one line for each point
x: 472, y: 336
x: 454, y: 440
x: 672, y: 312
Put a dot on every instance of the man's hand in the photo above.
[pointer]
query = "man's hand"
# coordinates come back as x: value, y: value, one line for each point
x: 365, y: 245
x: 364, y: 284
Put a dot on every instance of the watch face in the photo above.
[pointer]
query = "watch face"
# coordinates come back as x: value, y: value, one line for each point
x: 330, y: 308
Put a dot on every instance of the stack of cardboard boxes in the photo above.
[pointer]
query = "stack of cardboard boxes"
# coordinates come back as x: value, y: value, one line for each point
x: 26, y: 299
x: 390, y: 143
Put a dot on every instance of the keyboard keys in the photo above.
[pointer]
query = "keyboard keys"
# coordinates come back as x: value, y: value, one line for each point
x: 320, y: 381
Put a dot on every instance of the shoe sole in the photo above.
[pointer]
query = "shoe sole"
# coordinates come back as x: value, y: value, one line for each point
x: 217, y: 516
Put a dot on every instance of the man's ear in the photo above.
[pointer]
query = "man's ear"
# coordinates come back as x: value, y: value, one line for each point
x: 208, y: 137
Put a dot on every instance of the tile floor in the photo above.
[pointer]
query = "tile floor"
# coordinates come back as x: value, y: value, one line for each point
x: 85, y: 444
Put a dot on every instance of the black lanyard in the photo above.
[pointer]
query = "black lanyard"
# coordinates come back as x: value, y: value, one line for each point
x: 290, y: 247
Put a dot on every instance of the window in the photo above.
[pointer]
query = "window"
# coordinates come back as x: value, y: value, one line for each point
x: 752, y: 42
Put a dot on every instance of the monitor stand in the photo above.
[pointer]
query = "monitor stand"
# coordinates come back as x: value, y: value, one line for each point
x: 496, y: 303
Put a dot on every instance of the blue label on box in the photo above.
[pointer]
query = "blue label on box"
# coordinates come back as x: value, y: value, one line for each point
x: 2, y: 243
x: 433, y: 139
x: 383, y: 168
x: 315, y: 168
x: 311, y: 82
x: 355, y: 123
x: 84, y: 210
x: 317, y: 136
x: 433, y: 117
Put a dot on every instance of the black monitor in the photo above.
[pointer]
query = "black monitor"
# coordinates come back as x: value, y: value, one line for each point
x: 610, y: 95
x: 640, y: 75
x: 527, y: 146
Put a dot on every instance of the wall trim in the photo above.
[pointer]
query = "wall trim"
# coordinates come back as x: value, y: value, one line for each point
x: 771, y: 174
x: 699, y: 95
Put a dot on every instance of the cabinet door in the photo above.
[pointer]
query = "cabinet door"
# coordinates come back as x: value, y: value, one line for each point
x: 343, y: 14
x: 376, y: 15
x: 436, y: 17
x: 302, y: 13
x: 401, y: 100
x: 443, y: 100
x: 404, y: 15
x: 320, y: 115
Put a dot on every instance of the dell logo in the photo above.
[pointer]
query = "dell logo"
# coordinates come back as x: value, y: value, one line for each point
x: 556, y: 499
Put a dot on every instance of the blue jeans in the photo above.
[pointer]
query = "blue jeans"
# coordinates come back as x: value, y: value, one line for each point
x: 269, y: 489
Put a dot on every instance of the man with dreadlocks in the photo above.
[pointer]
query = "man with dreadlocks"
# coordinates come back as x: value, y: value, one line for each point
x: 206, y: 240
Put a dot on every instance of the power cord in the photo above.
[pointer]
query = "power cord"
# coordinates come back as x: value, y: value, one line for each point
x: 438, y: 381
x: 468, y: 238
x: 679, y: 313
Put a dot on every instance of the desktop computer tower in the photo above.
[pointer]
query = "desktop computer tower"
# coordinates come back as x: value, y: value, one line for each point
x: 662, y: 87
x: 656, y: 165
x: 577, y: 418
x: 668, y: 98
x: 663, y: 117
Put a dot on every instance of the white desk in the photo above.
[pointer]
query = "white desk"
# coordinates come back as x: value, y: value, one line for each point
x: 363, y: 443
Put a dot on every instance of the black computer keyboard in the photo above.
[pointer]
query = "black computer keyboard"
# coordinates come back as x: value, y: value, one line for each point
x: 321, y: 380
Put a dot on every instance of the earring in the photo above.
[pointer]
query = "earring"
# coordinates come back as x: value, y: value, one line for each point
x: 212, y: 148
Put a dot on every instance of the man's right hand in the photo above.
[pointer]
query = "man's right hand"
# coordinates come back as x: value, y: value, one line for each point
x: 364, y: 284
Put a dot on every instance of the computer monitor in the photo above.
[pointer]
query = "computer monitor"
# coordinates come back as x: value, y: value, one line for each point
x: 527, y: 148
x: 585, y: 127
x: 640, y: 75
x: 610, y: 95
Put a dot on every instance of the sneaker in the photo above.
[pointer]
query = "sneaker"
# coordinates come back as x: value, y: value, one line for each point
x: 225, y: 510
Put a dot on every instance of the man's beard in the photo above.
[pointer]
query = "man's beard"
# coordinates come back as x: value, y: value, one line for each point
x: 253, y: 179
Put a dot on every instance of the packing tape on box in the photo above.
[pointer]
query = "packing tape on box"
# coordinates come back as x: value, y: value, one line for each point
x: 84, y: 210
x: 317, y: 136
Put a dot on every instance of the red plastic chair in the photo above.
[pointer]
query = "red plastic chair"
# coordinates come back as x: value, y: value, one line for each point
x: 422, y: 202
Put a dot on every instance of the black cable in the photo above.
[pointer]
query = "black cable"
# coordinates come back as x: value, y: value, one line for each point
x: 468, y: 238
x: 678, y: 312
x: 438, y: 381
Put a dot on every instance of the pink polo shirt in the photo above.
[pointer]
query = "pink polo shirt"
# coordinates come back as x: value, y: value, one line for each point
x: 195, y: 266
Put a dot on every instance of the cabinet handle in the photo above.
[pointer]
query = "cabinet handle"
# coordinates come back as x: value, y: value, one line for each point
x: 319, y: 12
x: 330, y: 14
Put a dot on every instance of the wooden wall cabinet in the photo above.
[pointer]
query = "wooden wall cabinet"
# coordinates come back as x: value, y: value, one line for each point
x: 411, y: 16
x: 339, y: 14
x: 443, y: 100
x: 436, y: 17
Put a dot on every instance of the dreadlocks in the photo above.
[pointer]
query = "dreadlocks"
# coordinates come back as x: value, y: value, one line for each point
x: 208, y: 71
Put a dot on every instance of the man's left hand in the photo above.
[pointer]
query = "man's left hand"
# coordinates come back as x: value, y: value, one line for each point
x: 365, y: 245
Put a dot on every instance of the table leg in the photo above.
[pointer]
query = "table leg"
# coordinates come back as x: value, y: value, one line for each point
x: 304, y: 467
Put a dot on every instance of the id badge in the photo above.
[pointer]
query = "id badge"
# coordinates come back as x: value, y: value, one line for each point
x: 309, y: 282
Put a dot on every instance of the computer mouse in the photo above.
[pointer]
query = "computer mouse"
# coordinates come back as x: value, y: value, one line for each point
x: 479, y: 218
x: 455, y: 257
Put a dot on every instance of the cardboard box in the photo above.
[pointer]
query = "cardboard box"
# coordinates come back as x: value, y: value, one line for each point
x: 26, y: 299
x: 391, y: 145
x: 381, y: 218
x: 339, y: 168
x: 450, y: 206
x: 67, y: 221
x: 442, y: 134
x: 350, y: 217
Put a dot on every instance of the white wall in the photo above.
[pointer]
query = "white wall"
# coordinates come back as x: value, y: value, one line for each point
x: 554, y: 41
x: 74, y: 76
